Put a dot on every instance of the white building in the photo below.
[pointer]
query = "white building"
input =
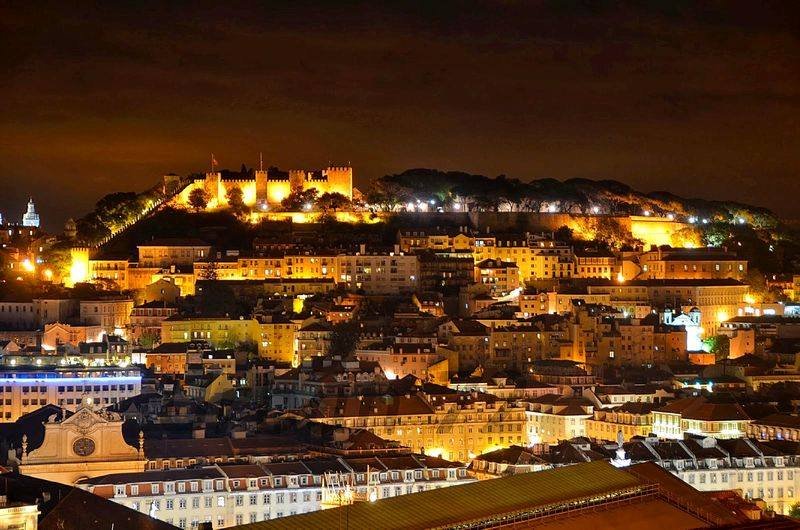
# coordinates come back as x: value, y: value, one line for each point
x: 25, y: 389
x: 30, y: 217
x: 554, y: 417
x: 228, y: 495
x: 761, y: 470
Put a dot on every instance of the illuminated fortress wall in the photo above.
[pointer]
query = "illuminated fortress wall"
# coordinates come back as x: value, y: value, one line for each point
x: 654, y: 230
x: 270, y: 189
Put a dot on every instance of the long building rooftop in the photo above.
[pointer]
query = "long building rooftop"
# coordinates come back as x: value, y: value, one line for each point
x: 491, y: 499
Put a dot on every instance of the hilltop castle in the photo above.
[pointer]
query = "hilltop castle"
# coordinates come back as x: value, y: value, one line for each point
x: 267, y: 188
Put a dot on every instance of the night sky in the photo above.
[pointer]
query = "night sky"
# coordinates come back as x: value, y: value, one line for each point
x: 700, y: 101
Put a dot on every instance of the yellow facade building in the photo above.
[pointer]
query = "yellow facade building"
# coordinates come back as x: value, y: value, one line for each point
x: 451, y: 426
x: 631, y: 419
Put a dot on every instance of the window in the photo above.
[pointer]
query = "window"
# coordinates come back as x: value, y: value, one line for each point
x: 220, y: 501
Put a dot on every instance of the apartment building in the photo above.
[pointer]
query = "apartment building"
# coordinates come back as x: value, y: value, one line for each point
x: 24, y: 389
x: 378, y: 273
x: 235, y: 494
x: 453, y: 425
x: 111, y: 314
x: 161, y: 253
x: 699, y: 416
x: 555, y: 417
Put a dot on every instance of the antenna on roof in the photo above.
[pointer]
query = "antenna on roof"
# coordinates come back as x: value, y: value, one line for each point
x: 260, y: 161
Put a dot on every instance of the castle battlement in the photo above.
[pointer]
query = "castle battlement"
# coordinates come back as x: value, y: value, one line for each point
x: 269, y: 187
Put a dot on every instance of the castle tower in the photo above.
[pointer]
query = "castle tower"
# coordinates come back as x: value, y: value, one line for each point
x: 340, y: 180
x: 297, y: 178
x: 172, y: 183
x: 79, y: 266
x: 213, y: 187
x: 262, y: 181
x: 30, y: 218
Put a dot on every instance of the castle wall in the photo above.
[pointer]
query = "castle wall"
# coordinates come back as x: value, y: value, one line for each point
x: 277, y: 190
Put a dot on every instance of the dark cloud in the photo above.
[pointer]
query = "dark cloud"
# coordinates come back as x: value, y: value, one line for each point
x: 697, y: 98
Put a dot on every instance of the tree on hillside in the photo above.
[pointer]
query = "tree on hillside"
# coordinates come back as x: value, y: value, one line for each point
x: 298, y: 199
x: 198, y: 199
x: 250, y: 346
x: 332, y: 201
x: 216, y: 298
x: 148, y: 339
x: 117, y: 208
x: 236, y: 202
x: 92, y: 229
x: 344, y: 339
x: 719, y: 345
x: 564, y: 234
x: 210, y: 271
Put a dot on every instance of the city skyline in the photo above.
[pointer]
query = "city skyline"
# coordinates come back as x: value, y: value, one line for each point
x: 700, y: 101
x: 452, y: 264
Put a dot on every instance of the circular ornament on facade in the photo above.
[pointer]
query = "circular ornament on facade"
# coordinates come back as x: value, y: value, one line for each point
x: 84, y: 422
x: 83, y: 446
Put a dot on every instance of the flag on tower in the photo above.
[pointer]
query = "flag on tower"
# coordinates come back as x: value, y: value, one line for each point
x: 213, y: 162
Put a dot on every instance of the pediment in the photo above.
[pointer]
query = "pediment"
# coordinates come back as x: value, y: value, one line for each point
x: 86, y: 418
